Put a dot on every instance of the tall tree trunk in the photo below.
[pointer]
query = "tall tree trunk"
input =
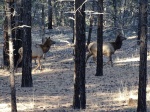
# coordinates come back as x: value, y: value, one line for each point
x: 6, y: 45
x: 90, y: 30
x: 55, y: 13
x: 18, y: 32
x: 73, y: 31
x: 99, y: 68
x: 49, y: 14
x: 11, y: 58
x: 6, y: 62
x: 26, y: 62
x: 123, y: 5
x: 115, y: 16
x: 43, y: 23
x: 16, y: 41
x: 79, y: 100
x: 143, y: 56
x: 139, y: 25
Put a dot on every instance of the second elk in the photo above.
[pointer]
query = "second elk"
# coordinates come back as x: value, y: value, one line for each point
x: 109, y: 48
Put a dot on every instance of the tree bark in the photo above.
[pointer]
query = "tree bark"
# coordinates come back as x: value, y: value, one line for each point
x: 11, y: 59
x: 123, y: 5
x: 115, y: 16
x: 42, y: 22
x: 79, y: 100
x: 18, y: 32
x: 6, y: 62
x: 99, y: 68
x: 26, y: 62
x: 49, y: 14
x: 143, y: 57
x: 16, y: 38
x: 90, y: 30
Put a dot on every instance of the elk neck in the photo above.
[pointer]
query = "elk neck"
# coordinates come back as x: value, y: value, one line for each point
x: 117, y: 44
x: 45, y: 49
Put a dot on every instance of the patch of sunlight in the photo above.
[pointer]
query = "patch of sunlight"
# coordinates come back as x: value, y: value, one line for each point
x: 25, y: 106
x: 148, y: 93
x: 4, y: 107
x: 67, y: 60
x: 127, y: 60
x: 132, y: 95
x: 132, y: 37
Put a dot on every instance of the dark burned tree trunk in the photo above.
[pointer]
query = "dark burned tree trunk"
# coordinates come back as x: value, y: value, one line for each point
x: 143, y: 57
x: 49, y: 14
x: 79, y: 100
x: 26, y: 62
x: 139, y: 29
x: 139, y: 25
x: 115, y: 16
x: 73, y: 22
x: 73, y: 31
x: 99, y: 69
x: 42, y: 22
x: 11, y: 58
x: 6, y: 45
x: 90, y: 30
x: 18, y: 32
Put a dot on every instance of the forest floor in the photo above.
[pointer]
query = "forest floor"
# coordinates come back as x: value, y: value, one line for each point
x: 53, y: 87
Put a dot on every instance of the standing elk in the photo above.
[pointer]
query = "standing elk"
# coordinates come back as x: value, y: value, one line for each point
x: 109, y: 48
x: 37, y: 52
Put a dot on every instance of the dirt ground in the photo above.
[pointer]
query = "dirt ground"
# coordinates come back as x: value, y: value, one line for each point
x: 53, y: 89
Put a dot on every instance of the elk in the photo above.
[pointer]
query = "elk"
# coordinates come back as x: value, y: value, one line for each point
x: 109, y: 48
x: 37, y: 52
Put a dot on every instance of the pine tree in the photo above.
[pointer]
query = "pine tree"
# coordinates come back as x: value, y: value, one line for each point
x: 11, y: 57
x: 79, y: 100
x: 49, y: 14
x: 99, y: 69
x: 26, y: 62
x: 143, y: 56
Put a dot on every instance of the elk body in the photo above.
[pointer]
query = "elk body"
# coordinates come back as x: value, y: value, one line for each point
x: 37, y: 52
x: 109, y: 48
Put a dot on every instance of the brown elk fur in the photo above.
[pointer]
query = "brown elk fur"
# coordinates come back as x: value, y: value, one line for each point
x: 109, y: 48
x: 37, y: 52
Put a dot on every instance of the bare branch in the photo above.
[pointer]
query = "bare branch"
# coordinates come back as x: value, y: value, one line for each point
x: 22, y: 26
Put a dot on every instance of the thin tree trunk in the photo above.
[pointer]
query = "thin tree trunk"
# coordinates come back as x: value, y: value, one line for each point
x: 11, y: 58
x: 139, y: 26
x: 55, y: 14
x: 26, y: 62
x: 43, y: 23
x: 73, y: 31
x: 143, y: 57
x: 6, y: 44
x: 115, y: 16
x: 18, y: 32
x: 79, y: 100
x: 90, y: 30
x: 123, y: 5
x: 99, y: 68
x: 49, y: 14
x: 16, y: 39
